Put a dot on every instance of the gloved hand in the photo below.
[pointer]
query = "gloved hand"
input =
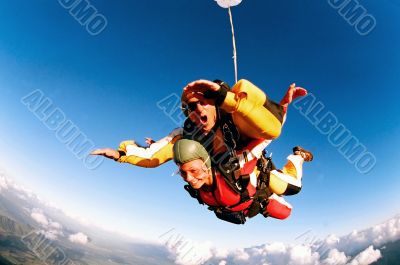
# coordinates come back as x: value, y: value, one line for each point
x: 205, y: 91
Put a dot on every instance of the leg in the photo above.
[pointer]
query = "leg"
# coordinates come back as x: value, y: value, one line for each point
x: 288, y: 180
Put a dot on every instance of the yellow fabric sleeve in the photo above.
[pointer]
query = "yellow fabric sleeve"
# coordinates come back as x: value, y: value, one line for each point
x: 163, y: 155
x: 122, y: 145
x: 245, y: 101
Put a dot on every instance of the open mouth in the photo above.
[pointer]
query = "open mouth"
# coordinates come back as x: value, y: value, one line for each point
x: 203, y: 119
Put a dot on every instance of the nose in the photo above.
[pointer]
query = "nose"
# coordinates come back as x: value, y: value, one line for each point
x: 199, y: 107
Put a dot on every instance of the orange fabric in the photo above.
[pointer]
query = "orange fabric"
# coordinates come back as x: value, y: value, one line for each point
x: 290, y: 169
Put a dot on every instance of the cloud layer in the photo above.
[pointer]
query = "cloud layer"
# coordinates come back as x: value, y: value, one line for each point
x: 50, y: 229
x: 356, y: 248
x: 3, y: 182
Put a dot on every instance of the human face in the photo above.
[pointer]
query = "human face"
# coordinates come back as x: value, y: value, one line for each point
x: 196, y: 173
x: 203, y: 115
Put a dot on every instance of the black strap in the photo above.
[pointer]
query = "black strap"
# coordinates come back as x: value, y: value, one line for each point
x: 260, y: 199
x: 233, y: 217
x: 219, y: 95
x: 229, y: 131
x: 193, y: 193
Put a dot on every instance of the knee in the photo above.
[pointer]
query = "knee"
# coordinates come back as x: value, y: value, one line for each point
x: 244, y: 88
x: 284, y: 184
x: 292, y: 190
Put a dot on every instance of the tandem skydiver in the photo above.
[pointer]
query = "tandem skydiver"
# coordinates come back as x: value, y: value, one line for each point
x: 259, y: 188
x: 244, y: 111
x: 226, y: 122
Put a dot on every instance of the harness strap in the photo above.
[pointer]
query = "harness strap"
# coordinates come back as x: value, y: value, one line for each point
x: 193, y: 193
x: 244, y: 193
x: 264, y: 165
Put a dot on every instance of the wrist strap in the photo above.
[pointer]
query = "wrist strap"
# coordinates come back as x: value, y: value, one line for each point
x: 219, y: 95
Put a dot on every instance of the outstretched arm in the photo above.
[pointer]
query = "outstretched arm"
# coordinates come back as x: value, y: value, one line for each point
x: 162, y: 155
x: 292, y: 93
x: 154, y: 146
x: 122, y: 155
x: 107, y: 152
x: 156, y: 154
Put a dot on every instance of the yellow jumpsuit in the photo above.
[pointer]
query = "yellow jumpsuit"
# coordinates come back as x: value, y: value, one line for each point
x: 245, y: 102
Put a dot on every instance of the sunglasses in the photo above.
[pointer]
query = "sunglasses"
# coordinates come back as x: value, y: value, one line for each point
x: 192, y: 106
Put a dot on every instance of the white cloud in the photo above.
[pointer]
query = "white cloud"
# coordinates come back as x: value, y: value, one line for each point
x: 303, y: 255
x: 357, y: 241
x: 228, y: 3
x: 335, y: 257
x: 241, y: 256
x: 39, y: 217
x: 51, y: 229
x: 6, y: 182
x: 356, y: 248
x: 366, y: 257
x: 220, y: 253
x: 187, y: 252
x: 52, y: 234
x: 79, y: 238
x: 276, y: 248
x: 190, y: 253
x: 3, y: 183
x: 331, y: 240
x: 22, y: 197
x: 55, y: 225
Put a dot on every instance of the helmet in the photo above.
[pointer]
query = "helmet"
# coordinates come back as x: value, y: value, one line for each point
x: 188, y: 150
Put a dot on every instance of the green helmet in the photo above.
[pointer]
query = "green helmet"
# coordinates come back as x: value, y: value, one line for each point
x: 188, y: 150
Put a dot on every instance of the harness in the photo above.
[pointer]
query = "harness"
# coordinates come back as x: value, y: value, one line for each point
x: 259, y: 200
x: 229, y: 166
x: 235, y: 176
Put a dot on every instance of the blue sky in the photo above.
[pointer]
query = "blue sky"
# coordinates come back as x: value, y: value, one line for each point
x: 109, y: 85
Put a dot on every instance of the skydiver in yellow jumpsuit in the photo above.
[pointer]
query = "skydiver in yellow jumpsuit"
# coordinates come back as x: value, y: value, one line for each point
x: 248, y: 109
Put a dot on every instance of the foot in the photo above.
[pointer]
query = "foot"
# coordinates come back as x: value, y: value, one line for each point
x: 306, y: 155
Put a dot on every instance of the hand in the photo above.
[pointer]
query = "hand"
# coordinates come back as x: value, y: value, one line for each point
x: 107, y: 152
x: 149, y: 141
x: 198, y: 89
x: 292, y: 93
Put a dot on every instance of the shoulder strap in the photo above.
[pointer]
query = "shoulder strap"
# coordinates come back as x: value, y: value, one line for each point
x: 265, y: 166
x: 229, y: 130
x: 193, y: 193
